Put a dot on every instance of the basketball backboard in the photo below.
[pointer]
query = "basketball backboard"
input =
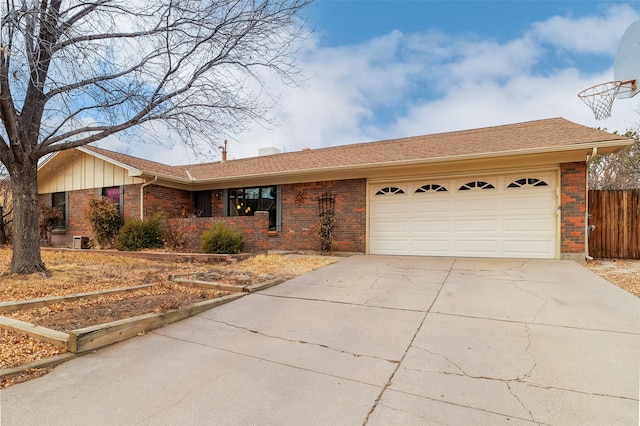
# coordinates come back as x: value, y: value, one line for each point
x: 626, y: 73
x: 626, y: 66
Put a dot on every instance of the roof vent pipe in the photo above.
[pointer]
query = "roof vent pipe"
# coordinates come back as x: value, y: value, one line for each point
x: 224, y: 151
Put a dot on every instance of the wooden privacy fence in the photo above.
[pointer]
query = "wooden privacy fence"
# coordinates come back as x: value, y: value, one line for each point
x: 616, y: 217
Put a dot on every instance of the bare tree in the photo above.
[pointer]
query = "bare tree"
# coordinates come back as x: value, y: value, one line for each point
x: 74, y: 72
x: 619, y: 170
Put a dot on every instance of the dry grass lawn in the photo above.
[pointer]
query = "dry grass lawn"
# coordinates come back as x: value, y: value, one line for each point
x: 73, y: 272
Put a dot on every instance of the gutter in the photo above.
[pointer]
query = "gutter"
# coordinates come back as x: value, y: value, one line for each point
x: 364, y: 166
x: 155, y: 179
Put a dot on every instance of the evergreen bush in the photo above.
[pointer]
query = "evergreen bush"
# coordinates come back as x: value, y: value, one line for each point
x: 221, y: 239
x: 138, y: 234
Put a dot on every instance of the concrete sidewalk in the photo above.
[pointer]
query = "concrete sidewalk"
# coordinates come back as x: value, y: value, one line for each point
x: 371, y: 340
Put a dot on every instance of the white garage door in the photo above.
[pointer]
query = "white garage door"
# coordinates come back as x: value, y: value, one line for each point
x: 476, y: 216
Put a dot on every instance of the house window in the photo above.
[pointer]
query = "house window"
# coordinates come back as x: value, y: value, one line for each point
x: 59, y: 201
x: 202, y: 203
x: 114, y: 195
x: 246, y: 201
x: 390, y: 190
x: 527, y: 182
x: 476, y: 185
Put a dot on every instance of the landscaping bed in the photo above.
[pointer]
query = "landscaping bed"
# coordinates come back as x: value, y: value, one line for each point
x: 68, y: 316
x: 623, y: 273
x: 82, y: 272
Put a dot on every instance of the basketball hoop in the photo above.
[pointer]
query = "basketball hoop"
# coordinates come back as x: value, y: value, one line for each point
x: 601, y: 96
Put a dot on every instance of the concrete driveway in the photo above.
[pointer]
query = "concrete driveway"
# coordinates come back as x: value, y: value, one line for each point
x: 371, y: 340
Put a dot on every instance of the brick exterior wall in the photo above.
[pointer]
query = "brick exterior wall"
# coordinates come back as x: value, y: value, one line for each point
x: 254, y: 230
x: 78, y: 201
x: 131, y: 201
x: 169, y: 201
x: 573, y: 183
x: 300, y: 215
x: 217, y: 203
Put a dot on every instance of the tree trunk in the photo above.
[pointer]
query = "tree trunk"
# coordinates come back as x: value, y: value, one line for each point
x: 3, y: 236
x: 26, y: 220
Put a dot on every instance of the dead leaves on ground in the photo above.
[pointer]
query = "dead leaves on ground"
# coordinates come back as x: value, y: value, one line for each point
x: 17, y: 349
x: 76, y: 272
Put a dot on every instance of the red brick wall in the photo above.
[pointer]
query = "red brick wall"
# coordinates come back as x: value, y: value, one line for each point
x: 217, y: 203
x: 300, y: 215
x: 76, y: 213
x: 573, y: 212
x: 253, y: 229
x: 169, y: 201
x: 131, y: 201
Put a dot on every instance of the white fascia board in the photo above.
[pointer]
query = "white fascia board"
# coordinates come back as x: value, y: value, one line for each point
x: 47, y: 159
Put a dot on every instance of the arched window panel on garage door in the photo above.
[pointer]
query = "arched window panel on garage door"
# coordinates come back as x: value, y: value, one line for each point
x: 528, y: 182
x: 431, y: 188
x: 390, y: 190
x: 475, y: 185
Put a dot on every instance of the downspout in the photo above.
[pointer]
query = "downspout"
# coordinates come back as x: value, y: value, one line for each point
x: 588, y: 228
x: 155, y: 179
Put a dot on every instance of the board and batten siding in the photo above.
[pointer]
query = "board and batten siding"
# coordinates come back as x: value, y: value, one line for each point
x: 75, y: 170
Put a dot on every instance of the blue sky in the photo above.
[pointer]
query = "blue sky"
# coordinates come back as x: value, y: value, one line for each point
x: 377, y: 70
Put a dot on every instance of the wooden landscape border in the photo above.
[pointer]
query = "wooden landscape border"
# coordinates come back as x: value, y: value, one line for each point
x: 94, y: 337
x: 97, y: 336
x: 9, y: 307
x: 185, y: 279
x: 81, y: 341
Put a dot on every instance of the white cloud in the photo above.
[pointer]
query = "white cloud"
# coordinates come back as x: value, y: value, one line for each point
x: 589, y: 34
x: 401, y: 84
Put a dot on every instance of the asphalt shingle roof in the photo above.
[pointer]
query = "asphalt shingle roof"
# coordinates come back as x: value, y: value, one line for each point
x: 550, y: 134
x: 140, y: 163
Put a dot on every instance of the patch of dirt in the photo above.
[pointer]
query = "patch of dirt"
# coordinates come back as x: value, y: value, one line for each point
x: 76, y: 272
x: 231, y: 277
x: 623, y: 273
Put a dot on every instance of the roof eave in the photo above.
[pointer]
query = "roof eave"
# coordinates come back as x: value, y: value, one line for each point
x: 615, y: 144
x: 47, y: 159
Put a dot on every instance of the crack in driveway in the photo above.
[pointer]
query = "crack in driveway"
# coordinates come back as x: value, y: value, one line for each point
x: 404, y: 355
x: 250, y: 330
x: 454, y: 404
x: 463, y: 373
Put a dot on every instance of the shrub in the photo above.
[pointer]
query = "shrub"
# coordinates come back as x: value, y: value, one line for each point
x: 49, y: 218
x: 138, y: 234
x: 176, y: 236
x: 221, y: 239
x: 105, y: 221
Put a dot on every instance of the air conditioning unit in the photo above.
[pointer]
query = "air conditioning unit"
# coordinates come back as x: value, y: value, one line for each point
x: 80, y: 243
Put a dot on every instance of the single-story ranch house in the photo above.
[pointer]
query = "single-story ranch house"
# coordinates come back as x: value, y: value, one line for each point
x: 516, y: 191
